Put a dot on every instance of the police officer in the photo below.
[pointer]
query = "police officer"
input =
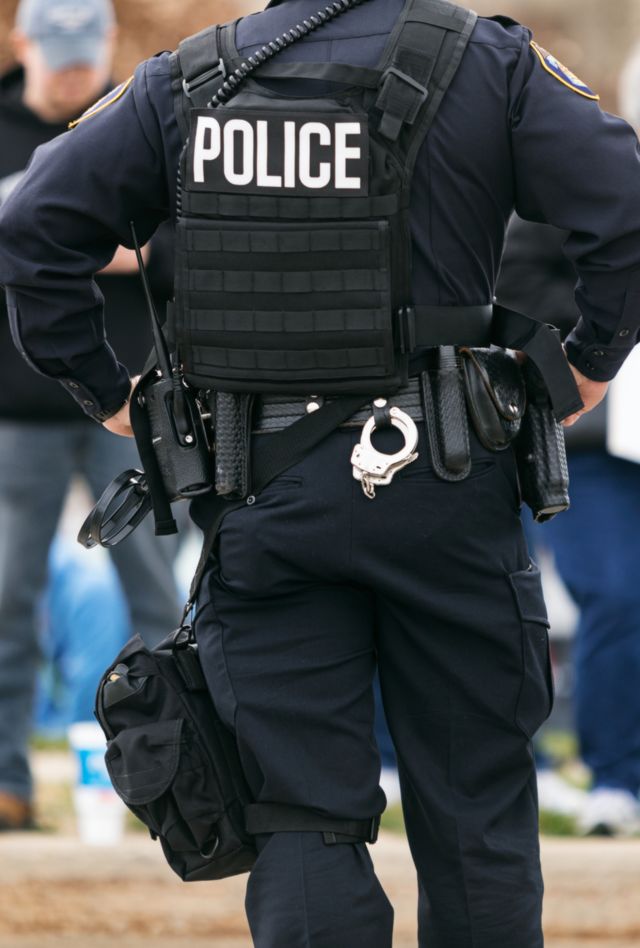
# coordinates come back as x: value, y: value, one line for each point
x: 313, y: 581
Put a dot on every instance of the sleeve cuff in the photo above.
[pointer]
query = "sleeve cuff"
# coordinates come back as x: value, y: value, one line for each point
x: 595, y: 360
x: 100, y: 384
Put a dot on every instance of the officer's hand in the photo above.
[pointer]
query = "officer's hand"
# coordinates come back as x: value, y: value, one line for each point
x: 125, y: 262
x: 120, y: 424
x: 591, y: 393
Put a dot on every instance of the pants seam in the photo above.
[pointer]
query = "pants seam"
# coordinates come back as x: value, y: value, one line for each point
x: 223, y: 654
x: 304, y: 894
x: 460, y: 853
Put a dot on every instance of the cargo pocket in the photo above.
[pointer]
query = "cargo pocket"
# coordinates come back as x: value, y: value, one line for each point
x: 535, y: 699
x: 143, y: 761
x: 160, y: 772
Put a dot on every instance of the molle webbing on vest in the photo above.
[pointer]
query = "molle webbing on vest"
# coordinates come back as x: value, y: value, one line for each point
x: 336, y: 284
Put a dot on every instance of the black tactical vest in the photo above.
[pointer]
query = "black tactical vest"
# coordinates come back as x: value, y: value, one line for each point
x: 293, y: 239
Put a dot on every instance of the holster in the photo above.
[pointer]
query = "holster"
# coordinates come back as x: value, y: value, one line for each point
x: 495, y: 393
x: 541, y: 452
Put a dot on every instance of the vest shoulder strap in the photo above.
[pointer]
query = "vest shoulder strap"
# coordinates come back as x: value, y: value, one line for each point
x: 422, y: 61
x: 197, y: 72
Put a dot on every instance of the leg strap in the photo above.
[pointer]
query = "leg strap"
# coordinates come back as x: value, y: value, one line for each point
x: 278, y: 818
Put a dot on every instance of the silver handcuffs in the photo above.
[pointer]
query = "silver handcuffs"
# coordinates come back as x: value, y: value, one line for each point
x: 374, y: 468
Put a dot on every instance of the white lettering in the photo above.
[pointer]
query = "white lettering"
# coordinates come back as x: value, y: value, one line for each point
x: 344, y: 154
x: 207, y: 146
x: 245, y: 129
x: 290, y: 149
x: 265, y: 180
x: 323, y: 178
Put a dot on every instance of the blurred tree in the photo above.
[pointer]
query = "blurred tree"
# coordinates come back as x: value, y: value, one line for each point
x: 593, y: 38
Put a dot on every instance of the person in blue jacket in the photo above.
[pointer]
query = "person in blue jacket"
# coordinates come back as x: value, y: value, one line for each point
x: 312, y: 583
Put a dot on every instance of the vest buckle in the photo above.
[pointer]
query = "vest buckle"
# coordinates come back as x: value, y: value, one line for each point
x: 400, y: 100
x: 219, y: 71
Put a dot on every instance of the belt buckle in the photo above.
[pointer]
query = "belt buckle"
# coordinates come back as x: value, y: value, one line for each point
x: 373, y: 468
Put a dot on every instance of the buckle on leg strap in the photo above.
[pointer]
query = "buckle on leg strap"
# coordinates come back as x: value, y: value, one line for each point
x: 279, y: 818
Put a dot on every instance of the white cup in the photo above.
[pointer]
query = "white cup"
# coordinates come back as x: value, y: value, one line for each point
x: 99, y: 810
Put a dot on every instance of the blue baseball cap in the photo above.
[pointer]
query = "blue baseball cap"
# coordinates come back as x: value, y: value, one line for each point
x: 69, y: 32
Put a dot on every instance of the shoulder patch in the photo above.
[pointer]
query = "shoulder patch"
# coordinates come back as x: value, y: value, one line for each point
x: 569, y: 79
x: 109, y: 99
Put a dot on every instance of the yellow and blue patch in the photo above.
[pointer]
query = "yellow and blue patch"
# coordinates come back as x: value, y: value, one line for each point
x: 109, y: 99
x: 569, y: 79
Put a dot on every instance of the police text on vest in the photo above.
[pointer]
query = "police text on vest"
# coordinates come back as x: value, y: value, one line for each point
x: 278, y: 153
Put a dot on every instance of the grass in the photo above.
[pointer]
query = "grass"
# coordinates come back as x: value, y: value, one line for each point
x: 42, y: 742
x: 551, y: 824
x: 393, y: 820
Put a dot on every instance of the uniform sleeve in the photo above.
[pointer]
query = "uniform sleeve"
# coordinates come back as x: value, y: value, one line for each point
x: 63, y: 224
x: 578, y: 168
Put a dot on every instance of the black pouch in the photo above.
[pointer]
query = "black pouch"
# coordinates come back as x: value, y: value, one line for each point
x: 541, y: 453
x: 446, y: 417
x: 233, y: 443
x: 171, y: 759
x: 496, y: 398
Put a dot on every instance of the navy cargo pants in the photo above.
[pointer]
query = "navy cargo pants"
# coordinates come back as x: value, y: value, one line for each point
x: 312, y: 585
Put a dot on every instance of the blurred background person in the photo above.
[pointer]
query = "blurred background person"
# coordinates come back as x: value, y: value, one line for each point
x: 64, y: 52
x: 84, y: 624
x: 595, y: 546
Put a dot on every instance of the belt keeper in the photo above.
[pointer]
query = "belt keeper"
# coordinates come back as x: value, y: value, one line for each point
x: 407, y: 330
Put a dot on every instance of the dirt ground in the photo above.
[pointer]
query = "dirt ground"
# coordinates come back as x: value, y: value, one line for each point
x: 55, y: 892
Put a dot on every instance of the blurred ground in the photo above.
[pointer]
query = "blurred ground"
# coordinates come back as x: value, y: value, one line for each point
x: 57, y: 893
x: 53, y: 891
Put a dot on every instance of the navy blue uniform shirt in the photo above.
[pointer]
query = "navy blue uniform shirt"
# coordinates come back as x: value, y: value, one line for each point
x: 510, y: 133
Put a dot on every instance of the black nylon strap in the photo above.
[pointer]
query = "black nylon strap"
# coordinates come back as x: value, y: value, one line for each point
x: 541, y: 343
x: 462, y: 26
x: 195, y: 74
x: 452, y: 325
x: 277, y: 818
x: 201, y: 67
x: 439, y: 13
x: 165, y: 525
x: 180, y: 101
x: 326, y: 72
x: 422, y: 63
x: 289, y: 208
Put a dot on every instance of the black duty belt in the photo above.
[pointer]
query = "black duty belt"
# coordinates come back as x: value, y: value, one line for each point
x: 423, y: 327
x: 276, y: 412
x: 428, y: 327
